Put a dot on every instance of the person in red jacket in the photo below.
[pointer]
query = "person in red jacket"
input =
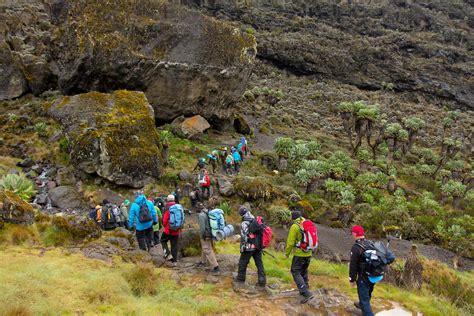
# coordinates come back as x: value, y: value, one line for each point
x: 205, y: 184
x: 169, y: 235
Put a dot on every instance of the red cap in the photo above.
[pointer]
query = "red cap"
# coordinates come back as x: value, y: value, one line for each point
x: 358, y: 230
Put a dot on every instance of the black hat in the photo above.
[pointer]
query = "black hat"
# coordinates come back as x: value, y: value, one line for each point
x: 295, y: 214
x: 243, y: 210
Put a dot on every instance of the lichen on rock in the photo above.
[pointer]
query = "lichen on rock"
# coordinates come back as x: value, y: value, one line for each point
x: 15, y: 210
x: 112, y: 135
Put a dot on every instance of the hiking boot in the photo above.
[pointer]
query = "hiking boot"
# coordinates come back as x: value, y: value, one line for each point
x: 216, y: 270
x: 306, y: 299
x: 200, y: 264
x: 357, y: 305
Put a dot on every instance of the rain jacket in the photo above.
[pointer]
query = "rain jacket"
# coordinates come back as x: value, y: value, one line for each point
x: 166, y: 221
x: 135, y: 210
x: 244, y: 233
x: 295, y: 236
x: 236, y: 156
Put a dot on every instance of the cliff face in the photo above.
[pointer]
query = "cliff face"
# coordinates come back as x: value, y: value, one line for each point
x: 418, y: 47
x: 185, y: 62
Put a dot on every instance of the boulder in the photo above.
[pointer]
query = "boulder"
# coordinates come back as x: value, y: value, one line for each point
x: 66, y: 197
x: 26, y: 163
x: 185, y: 62
x: 184, y: 175
x: 106, y: 194
x: 254, y: 188
x: 189, y: 242
x: 65, y: 176
x: 225, y: 187
x: 78, y: 227
x: 193, y: 126
x: 113, y: 135
x: 241, y: 126
x: 15, y: 210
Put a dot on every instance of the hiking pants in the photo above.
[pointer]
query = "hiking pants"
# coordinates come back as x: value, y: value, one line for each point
x: 156, y: 237
x: 145, y: 238
x: 208, y: 253
x: 364, y: 289
x: 174, y: 245
x: 241, y: 155
x: 299, y: 270
x: 206, y: 192
x: 237, y: 166
x: 244, y: 261
x: 228, y: 169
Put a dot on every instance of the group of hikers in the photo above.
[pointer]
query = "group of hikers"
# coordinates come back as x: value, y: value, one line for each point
x: 148, y: 217
x: 229, y: 159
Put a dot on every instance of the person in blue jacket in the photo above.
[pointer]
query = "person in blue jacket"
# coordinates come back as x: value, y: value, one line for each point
x: 237, y: 159
x: 144, y: 231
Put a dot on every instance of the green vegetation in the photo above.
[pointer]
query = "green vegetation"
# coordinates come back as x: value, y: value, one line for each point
x: 19, y: 184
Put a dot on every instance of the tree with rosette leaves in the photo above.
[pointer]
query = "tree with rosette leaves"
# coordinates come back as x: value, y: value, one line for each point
x: 312, y: 174
x: 413, y: 125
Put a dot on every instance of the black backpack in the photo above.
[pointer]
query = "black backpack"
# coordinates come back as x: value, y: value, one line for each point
x: 256, y: 230
x: 375, y: 258
x: 144, y: 215
x: 108, y: 217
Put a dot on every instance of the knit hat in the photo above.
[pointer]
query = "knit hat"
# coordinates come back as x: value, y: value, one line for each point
x: 358, y: 230
x: 295, y: 214
x: 138, y: 193
x: 126, y: 202
x: 243, y: 210
x: 170, y: 198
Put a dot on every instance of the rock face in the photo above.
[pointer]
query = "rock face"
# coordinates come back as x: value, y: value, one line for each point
x: 373, y: 45
x: 112, y: 135
x: 186, y: 62
x: 14, y: 210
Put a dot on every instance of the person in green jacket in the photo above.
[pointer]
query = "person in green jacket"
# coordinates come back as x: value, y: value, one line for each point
x: 301, y: 259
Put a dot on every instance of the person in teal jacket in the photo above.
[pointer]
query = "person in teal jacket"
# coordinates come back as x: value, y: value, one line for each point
x: 301, y: 259
x: 237, y: 159
x: 144, y: 231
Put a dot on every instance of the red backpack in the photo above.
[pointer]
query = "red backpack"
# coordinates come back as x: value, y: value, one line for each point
x: 263, y: 232
x: 309, y: 238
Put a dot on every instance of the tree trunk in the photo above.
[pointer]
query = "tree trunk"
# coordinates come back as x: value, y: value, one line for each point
x: 457, y: 202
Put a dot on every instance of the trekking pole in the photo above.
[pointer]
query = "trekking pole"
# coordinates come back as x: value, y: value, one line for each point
x: 267, y: 253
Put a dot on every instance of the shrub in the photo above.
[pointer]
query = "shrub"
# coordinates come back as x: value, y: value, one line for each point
x: 226, y: 208
x: 279, y: 214
x: 19, y: 184
x: 142, y: 279
x: 41, y: 129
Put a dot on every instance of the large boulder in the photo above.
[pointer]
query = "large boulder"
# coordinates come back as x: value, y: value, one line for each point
x: 12, y: 81
x: 66, y: 198
x: 185, y: 62
x: 225, y: 187
x: 193, y: 126
x: 15, y: 210
x: 112, y: 135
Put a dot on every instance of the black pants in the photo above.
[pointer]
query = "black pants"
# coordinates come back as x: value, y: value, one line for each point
x: 174, y: 245
x: 156, y: 237
x: 145, y: 238
x: 299, y: 270
x: 244, y: 262
x: 206, y: 192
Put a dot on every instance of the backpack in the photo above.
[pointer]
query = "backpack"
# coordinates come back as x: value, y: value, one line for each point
x: 144, y: 215
x: 201, y: 163
x: 176, y: 217
x: 116, y: 212
x: 216, y: 221
x: 263, y: 233
x: 93, y: 214
x: 375, y: 258
x: 98, y: 215
x: 309, y: 236
x: 108, y: 217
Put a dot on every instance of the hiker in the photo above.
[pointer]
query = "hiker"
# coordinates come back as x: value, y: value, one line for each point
x: 237, y: 158
x: 194, y: 196
x: 109, y: 215
x: 124, y: 211
x: 240, y: 150
x: 205, y: 184
x: 97, y: 215
x: 205, y: 235
x: 222, y: 158
x: 201, y: 164
x: 357, y: 275
x: 172, y: 227
x: 301, y: 256
x: 229, y: 162
x: 213, y: 157
x: 157, y: 226
x: 177, y: 194
x: 243, y: 141
x: 143, y: 216
x: 249, y: 248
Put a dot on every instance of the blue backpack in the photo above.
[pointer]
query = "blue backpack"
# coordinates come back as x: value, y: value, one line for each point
x: 176, y: 217
x: 216, y: 221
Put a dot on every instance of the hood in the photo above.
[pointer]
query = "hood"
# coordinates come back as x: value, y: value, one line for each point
x: 140, y: 199
x: 299, y: 220
x: 170, y: 203
x: 248, y: 216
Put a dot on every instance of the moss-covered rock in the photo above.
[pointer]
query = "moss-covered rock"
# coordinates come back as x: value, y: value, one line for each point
x: 112, y: 135
x: 15, y: 210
